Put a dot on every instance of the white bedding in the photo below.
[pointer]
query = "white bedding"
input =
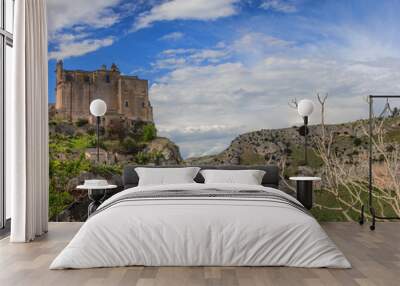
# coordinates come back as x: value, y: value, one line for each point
x: 200, y: 231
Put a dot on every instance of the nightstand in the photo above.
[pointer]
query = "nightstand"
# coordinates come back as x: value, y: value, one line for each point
x: 96, y: 194
x: 305, y: 190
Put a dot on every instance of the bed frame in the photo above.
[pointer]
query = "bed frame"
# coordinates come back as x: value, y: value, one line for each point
x: 130, y: 178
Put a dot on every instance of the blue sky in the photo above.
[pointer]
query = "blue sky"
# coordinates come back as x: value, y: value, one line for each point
x: 218, y: 68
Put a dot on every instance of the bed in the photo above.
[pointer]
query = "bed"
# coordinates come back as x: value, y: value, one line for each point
x: 197, y: 224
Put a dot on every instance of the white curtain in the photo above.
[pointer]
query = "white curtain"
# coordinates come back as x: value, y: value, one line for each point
x: 27, y: 124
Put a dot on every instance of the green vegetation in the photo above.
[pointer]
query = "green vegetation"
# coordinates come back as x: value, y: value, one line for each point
x: 142, y: 158
x: 297, y: 157
x: 149, y: 132
x: 60, y: 172
x: 58, y: 201
x: 331, y: 207
x: 68, y: 144
x: 357, y: 141
x: 106, y: 170
x: 82, y: 122
x: 129, y: 145
x: 59, y: 143
x: 393, y: 136
x: 251, y: 158
x: 112, y: 145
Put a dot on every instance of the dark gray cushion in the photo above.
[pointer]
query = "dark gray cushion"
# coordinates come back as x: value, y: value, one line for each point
x: 271, y: 178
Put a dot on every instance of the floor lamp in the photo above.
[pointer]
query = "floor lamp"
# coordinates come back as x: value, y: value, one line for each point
x: 305, y: 107
x: 98, y: 108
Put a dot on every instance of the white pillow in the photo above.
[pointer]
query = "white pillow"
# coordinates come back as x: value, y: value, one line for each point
x: 248, y: 177
x: 166, y: 176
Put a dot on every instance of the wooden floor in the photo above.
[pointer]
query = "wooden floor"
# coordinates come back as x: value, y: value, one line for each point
x: 375, y: 257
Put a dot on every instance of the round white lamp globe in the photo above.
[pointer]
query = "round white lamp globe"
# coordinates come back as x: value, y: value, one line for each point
x: 98, y: 107
x: 305, y: 107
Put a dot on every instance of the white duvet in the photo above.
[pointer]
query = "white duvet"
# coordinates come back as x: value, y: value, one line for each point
x: 194, y: 231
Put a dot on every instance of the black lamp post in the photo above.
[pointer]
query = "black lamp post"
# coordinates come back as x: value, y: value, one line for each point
x: 98, y: 108
x: 305, y: 107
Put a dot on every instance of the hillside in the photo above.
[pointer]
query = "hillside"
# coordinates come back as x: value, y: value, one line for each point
x: 341, y: 161
x: 73, y: 159
x: 344, y: 170
x: 272, y: 146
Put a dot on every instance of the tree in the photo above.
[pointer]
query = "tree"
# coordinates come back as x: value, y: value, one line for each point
x: 322, y: 101
x: 149, y: 132
x: 348, y: 183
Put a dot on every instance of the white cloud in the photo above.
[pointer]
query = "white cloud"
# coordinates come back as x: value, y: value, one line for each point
x: 67, y: 49
x: 66, y: 14
x: 186, y: 10
x: 174, y: 58
x: 203, y: 107
x: 172, y: 52
x: 283, y: 6
x: 174, y: 36
x: 210, y: 55
x: 73, y: 25
x: 259, y: 41
x: 169, y: 63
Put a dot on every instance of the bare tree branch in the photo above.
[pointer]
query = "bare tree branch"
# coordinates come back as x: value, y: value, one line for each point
x: 293, y: 103
x: 322, y: 101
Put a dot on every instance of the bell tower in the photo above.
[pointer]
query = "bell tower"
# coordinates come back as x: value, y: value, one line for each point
x: 59, y: 70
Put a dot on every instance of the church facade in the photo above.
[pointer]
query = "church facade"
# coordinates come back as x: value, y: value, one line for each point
x: 126, y: 97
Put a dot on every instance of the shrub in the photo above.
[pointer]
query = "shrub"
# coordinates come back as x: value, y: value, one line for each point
x: 65, y: 129
x: 91, y: 130
x: 60, y: 172
x: 157, y: 157
x: 149, y: 132
x: 81, y: 122
x: 357, y: 141
x: 58, y: 201
x: 106, y: 170
x: 142, y: 158
x: 129, y: 145
x: 116, y: 130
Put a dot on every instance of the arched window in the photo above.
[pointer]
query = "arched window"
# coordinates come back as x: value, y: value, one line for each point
x: 126, y: 103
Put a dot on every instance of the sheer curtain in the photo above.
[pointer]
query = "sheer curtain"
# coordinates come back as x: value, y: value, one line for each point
x: 27, y: 124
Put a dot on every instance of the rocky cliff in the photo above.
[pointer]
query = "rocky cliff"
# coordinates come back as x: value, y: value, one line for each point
x: 285, y: 146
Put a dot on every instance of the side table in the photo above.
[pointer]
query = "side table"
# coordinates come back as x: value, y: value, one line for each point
x: 305, y: 190
x: 96, y: 195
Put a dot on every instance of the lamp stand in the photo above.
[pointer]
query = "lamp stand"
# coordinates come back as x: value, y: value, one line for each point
x: 98, y: 137
x: 305, y: 140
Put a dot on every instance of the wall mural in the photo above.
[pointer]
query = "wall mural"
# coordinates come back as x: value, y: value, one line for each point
x: 218, y: 83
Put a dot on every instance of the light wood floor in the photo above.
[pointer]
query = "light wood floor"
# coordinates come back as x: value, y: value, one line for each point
x: 375, y: 257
